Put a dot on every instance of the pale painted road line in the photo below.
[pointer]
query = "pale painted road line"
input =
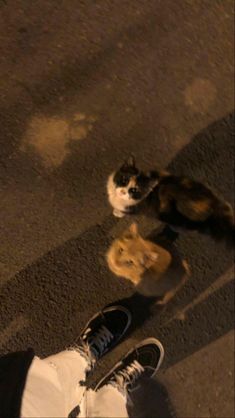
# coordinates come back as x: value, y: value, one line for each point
x: 15, y: 326
x: 220, y: 282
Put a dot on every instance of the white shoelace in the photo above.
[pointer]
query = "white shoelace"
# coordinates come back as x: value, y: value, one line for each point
x: 93, y: 347
x: 128, y: 375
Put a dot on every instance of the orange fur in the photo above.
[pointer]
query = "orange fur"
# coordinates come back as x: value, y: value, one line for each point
x: 137, y: 259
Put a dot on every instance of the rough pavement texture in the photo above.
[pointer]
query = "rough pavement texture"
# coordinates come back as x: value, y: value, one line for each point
x: 212, y: 363
x: 81, y: 87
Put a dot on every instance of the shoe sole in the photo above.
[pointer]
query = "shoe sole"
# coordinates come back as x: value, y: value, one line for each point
x: 150, y: 340
x: 109, y: 309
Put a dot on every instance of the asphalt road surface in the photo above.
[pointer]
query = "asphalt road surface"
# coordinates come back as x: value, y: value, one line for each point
x: 83, y: 84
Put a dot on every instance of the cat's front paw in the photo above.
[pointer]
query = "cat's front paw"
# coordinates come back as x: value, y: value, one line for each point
x: 118, y: 213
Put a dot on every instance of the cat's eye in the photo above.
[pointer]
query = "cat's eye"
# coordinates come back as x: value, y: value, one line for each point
x: 120, y: 250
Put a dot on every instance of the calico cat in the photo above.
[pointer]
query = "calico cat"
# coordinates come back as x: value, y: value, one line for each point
x: 150, y: 267
x: 176, y: 200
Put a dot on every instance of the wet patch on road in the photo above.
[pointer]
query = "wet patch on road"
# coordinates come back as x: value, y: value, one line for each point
x: 50, y: 137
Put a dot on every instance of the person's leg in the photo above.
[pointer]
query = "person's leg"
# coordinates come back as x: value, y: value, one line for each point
x: 108, y: 401
x: 111, y: 395
x: 55, y: 385
x: 72, y: 369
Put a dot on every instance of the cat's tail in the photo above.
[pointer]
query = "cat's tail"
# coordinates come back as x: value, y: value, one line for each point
x: 221, y: 223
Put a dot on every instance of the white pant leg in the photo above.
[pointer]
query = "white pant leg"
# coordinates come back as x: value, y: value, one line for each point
x: 52, y: 386
x: 106, y: 402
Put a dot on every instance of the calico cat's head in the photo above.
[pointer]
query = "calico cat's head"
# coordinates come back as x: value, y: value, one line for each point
x: 133, y: 184
x: 130, y: 255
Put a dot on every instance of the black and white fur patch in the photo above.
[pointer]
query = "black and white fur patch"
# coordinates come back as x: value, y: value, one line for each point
x: 128, y: 186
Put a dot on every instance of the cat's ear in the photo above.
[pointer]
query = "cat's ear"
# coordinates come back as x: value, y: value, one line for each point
x: 131, y: 232
x: 149, y: 258
x: 134, y: 229
x: 153, y: 175
x: 130, y: 161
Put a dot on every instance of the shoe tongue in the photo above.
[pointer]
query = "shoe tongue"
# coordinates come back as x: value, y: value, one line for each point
x: 98, y: 343
x: 96, y: 350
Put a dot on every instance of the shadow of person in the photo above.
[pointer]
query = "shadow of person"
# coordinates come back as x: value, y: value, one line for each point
x: 56, y: 295
x: 143, y: 404
x: 209, y: 157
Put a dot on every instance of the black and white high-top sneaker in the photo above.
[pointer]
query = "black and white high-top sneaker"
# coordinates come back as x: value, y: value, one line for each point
x: 103, y: 332
x: 142, y: 361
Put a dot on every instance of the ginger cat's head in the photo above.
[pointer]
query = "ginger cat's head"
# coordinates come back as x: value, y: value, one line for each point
x: 130, y: 255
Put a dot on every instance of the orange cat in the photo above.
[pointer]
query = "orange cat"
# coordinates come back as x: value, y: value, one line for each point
x: 149, y: 266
